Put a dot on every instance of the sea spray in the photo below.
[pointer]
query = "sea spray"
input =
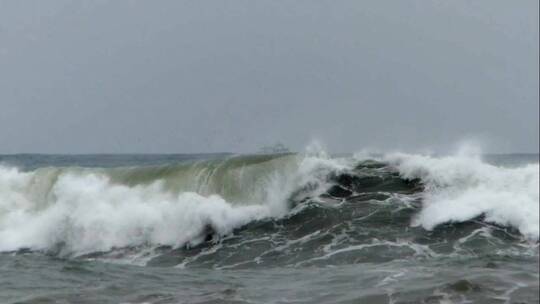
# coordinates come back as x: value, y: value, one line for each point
x: 462, y: 187
x: 77, y: 211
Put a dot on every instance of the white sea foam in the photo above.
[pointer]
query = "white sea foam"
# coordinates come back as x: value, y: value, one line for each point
x: 83, y: 211
x: 462, y: 187
x: 87, y: 213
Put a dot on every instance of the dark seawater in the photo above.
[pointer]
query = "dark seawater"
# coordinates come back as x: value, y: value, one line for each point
x: 287, y: 228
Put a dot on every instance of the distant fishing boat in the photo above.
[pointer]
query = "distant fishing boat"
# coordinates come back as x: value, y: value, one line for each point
x: 278, y: 148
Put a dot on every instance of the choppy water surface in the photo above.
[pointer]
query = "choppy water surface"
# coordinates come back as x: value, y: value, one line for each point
x: 288, y: 228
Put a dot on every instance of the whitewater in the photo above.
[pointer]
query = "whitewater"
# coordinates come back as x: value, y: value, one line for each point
x: 386, y: 217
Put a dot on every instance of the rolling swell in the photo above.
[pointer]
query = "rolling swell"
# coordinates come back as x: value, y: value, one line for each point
x: 77, y: 211
x: 363, y: 216
x: 271, y: 210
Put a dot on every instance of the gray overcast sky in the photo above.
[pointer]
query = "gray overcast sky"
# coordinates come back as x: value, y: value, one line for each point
x: 206, y: 76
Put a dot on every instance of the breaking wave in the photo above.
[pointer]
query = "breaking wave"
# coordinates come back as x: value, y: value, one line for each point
x: 77, y: 211
x: 463, y: 187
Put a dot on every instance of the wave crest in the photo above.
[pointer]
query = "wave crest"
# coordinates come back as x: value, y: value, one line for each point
x: 463, y: 187
x: 78, y: 211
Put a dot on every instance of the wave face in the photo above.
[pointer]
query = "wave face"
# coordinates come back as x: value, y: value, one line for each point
x: 82, y: 210
x: 311, y: 209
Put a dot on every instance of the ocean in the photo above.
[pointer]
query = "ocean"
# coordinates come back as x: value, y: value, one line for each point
x: 269, y: 228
